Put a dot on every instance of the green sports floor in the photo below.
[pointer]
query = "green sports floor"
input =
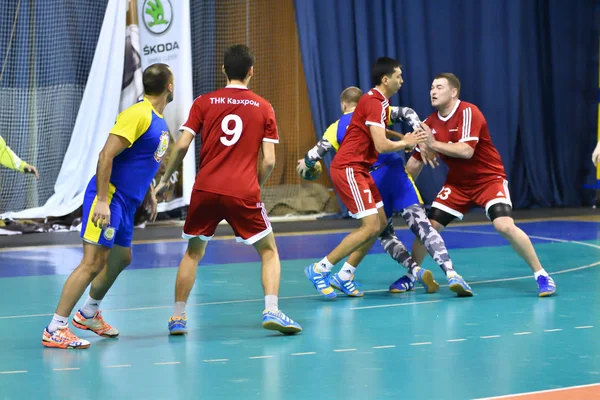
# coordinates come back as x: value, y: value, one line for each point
x: 503, y: 341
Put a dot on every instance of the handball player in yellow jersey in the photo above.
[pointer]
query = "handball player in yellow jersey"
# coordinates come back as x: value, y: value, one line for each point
x: 126, y: 167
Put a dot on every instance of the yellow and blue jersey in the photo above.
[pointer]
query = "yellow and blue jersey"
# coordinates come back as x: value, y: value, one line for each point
x: 147, y: 132
x: 132, y: 173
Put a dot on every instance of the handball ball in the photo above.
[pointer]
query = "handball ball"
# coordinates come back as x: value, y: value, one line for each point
x: 313, y: 173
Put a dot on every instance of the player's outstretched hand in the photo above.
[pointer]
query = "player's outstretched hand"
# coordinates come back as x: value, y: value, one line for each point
x: 596, y: 155
x: 429, y: 156
x: 161, y: 187
x: 414, y: 138
x: 101, y: 216
x: 31, y: 169
x: 301, y: 167
x: 427, y: 130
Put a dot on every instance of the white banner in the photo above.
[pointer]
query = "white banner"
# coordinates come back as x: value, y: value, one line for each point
x: 165, y: 37
x: 96, y: 117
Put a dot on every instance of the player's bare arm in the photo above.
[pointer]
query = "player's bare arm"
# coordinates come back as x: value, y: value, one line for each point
x: 456, y: 150
x: 113, y: 147
x: 390, y: 134
x: 384, y: 145
x: 267, y: 163
x: 414, y: 167
x: 178, y: 154
x: 153, y: 204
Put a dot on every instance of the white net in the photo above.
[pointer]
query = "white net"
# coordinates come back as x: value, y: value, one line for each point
x: 46, y: 51
x: 269, y: 29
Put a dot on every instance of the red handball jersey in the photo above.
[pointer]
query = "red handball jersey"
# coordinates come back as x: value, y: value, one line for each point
x: 358, y: 148
x: 232, y: 123
x: 466, y: 124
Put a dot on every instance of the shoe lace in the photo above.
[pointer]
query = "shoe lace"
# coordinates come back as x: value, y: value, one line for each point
x: 66, y: 334
x: 100, y: 319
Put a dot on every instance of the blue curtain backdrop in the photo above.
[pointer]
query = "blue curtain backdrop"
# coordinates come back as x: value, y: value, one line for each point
x: 531, y: 67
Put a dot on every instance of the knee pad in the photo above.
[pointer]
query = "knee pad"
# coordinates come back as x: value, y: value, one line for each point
x: 499, y: 210
x: 440, y: 216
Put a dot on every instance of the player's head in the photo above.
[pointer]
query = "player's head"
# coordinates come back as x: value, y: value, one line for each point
x: 445, y: 89
x: 159, y: 81
x: 238, y: 63
x: 349, y: 98
x: 387, y: 75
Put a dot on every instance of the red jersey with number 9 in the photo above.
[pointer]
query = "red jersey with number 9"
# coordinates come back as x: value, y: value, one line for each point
x: 231, y: 123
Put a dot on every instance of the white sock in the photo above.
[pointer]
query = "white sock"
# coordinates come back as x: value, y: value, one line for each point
x: 271, y: 303
x: 540, y: 272
x: 411, y: 276
x: 91, y: 307
x: 179, y: 310
x: 451, y: 273
x: 347, y: 272
x: 57, y: 321
x: 323, y: 266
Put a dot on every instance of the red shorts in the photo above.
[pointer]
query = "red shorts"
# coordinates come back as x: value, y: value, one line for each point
x: 248, y: 220
x: 457, y: 200
x: 357, y: 190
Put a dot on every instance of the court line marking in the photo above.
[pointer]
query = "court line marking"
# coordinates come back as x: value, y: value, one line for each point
x: 539, y: 392
x: 66, y: 369
x: 343, y: 350
x: 303, y: 233
x: 397, y: 304
x: 552, y: 330
x: 13, y: 372
x: 457, y: 229
x: 216, y: 360
x: 118, y: 366
x: 522, y: 333
x: 564, y: 271
x: 584, y: 327
x: 490, y: 337
x: 389, y: 346
x: 308, y: 353
x: 420, y: 344
x: 259, y: 357
x: 455, y: 340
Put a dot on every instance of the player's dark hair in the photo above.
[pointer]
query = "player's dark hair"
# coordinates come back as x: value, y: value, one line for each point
x: 237, y: 61
x: 452, y: 79
x: 156, y: 78
x: 350, y: 95
x: 384, y: 66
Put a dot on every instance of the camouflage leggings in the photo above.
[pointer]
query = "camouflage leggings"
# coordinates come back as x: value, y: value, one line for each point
x: 419, y: 224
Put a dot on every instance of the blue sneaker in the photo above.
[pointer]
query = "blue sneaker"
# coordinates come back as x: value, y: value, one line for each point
x: 347, y: 287
x: 546, y: 285
x: 278, y: 321
x: 425, y: 278
x: 320, y: 281
x: 402, y: 285
x: 459, y: 286
x: 178, y: 325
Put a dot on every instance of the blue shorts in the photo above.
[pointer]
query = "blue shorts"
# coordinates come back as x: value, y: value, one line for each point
x: 122, y: 213
x: 396, y: 187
